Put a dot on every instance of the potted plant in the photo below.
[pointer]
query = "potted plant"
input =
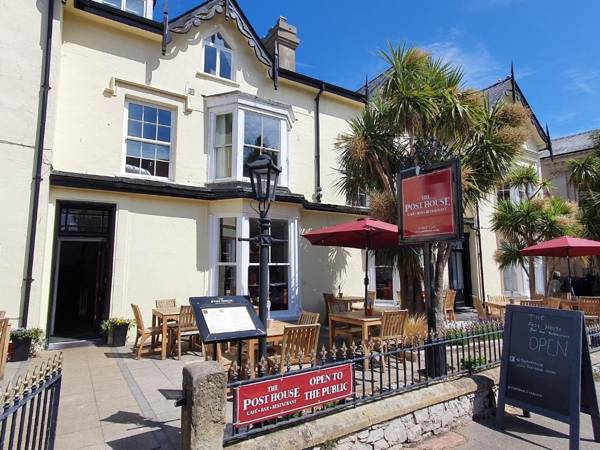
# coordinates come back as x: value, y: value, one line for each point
x: 115, y: 330
x: 25, y: 342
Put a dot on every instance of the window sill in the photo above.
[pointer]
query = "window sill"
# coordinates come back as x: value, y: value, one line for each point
x: 208, y: 76
x: 147, y: 177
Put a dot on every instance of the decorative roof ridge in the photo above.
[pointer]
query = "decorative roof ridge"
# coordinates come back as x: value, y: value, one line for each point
x: 581, y: 133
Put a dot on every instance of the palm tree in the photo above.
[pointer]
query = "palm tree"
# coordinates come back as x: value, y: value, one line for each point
x: 423, y: 115
x: 530, y: 220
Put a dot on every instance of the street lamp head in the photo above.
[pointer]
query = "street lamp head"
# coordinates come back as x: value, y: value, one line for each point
x: 263, y: 176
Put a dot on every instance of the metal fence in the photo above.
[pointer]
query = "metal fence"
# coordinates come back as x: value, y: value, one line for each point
x: 384, y: 368
x: 30, y: 408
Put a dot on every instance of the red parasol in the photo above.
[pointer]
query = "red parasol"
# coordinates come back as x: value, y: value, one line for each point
x: 564, y: 246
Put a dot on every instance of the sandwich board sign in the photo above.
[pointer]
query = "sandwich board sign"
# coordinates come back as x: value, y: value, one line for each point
x: 226, y: 318
x: 546, y: 368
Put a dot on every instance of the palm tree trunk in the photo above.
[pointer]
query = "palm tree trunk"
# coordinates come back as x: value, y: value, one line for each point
x: 410, y: 293
x: 531, y: 274
x: 441, y: 262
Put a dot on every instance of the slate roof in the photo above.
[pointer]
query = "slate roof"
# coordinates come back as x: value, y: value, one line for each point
x: 573, y: 143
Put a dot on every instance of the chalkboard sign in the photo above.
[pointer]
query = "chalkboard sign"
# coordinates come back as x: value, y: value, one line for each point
x: 226, y: 318
x: 546, y: 367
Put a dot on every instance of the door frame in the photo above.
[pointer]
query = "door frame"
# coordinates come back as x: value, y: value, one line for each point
x: 57, y: 238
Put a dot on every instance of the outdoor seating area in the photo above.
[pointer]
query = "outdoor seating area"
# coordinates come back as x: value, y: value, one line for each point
x: 174, y: 333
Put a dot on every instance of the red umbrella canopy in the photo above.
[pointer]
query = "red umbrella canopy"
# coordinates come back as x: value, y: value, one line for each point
x: 564, y: 246
x: 362, y: 233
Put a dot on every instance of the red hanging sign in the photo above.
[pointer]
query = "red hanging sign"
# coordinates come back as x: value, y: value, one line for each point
x: 428, y: 205
x: 263, y: 400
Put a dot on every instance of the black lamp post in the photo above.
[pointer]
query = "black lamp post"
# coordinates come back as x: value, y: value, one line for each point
x: 263, y: 176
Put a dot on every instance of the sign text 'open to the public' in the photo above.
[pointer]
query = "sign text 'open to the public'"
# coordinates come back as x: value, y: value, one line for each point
x: 282, y: 396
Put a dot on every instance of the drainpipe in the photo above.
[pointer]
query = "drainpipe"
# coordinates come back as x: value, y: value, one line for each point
x: 39, y: 158
x: 479, y: 256
x: 317, y: 195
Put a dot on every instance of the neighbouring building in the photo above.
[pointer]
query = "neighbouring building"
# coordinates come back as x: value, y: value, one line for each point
x: 555, y: 169
x: 142, y: 139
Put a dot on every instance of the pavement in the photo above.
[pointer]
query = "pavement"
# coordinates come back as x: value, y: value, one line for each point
x: 111, y: 401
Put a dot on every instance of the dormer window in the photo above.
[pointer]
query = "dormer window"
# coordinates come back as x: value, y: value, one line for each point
x: 137, y: 7
x: 217, y: 57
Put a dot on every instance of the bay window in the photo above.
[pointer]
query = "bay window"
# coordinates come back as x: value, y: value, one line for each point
x: 226, y: 262
x: 262, y: 136
x: 241, y: 128
x: 279, y: 265
x: 148, y: 140
x: 223, y: 145
x: 236, y: 264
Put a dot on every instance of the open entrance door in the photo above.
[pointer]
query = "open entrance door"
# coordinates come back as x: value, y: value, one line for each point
x: 459, y: 272
x: 83, y: 265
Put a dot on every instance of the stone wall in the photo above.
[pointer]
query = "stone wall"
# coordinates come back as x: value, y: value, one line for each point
x: 420, y: 424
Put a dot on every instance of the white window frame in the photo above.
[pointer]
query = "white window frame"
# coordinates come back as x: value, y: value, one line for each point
x: 147, y: 7
x: 238, y: 108
x: 125, y: 134
x: 373, y: 281
x: 356, y: 203
x: 243, y: 260
x: 206, y: 42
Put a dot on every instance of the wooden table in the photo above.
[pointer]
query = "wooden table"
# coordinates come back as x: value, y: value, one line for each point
x: 355, y: 318
x: 274, y: 336
x: 163, y: 316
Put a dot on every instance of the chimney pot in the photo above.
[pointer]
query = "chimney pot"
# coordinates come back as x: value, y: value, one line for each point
x: 286, y: 36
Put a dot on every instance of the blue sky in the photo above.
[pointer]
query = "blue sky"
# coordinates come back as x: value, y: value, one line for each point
x: 555, y: 44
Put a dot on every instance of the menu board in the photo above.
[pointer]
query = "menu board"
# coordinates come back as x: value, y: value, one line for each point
x: 546, y: 367
x: 226, y: 318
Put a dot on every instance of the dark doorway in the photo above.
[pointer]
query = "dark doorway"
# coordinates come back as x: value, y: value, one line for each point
x: 459, y: 272
x: 83, y: 264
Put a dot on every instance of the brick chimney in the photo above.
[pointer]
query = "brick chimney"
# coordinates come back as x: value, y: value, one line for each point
x: 287, y: 37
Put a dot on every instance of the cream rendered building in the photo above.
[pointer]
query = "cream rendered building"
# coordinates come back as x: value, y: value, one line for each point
x: 143, y: 192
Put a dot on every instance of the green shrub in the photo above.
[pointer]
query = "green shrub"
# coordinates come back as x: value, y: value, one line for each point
x: 473, y: 363
x: 113, y: 322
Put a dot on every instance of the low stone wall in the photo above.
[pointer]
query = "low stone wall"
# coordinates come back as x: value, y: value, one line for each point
x: 420, y: 424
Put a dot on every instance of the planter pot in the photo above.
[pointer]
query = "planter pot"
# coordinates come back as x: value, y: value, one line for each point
x: 118, y: 335
x: 21, y: 349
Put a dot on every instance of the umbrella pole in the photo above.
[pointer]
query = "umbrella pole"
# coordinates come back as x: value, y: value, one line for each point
x: 569, y: 276
x: 366, y: 279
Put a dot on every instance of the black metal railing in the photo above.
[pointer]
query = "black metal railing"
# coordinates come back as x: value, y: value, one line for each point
x: 381, y: 368
x: 384, y: 368
x: 30, y: 408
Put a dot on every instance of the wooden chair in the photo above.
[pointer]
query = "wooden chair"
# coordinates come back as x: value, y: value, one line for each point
x: 496, y: 310
x: 552, y: 302
x: 498, y: 299
x: 590, y: 307
x: 536, y: 303
x: 449, y: 301
x: 185, y: 327
x: 346, y: 332
x: 299, y: 346
x: 4, y: 338
x: 308, y: 318
x: 166, y: 303
x: 143, y: 333
x: 481, y: 312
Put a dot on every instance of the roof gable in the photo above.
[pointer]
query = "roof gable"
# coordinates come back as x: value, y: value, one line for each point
x: 231, y: 11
